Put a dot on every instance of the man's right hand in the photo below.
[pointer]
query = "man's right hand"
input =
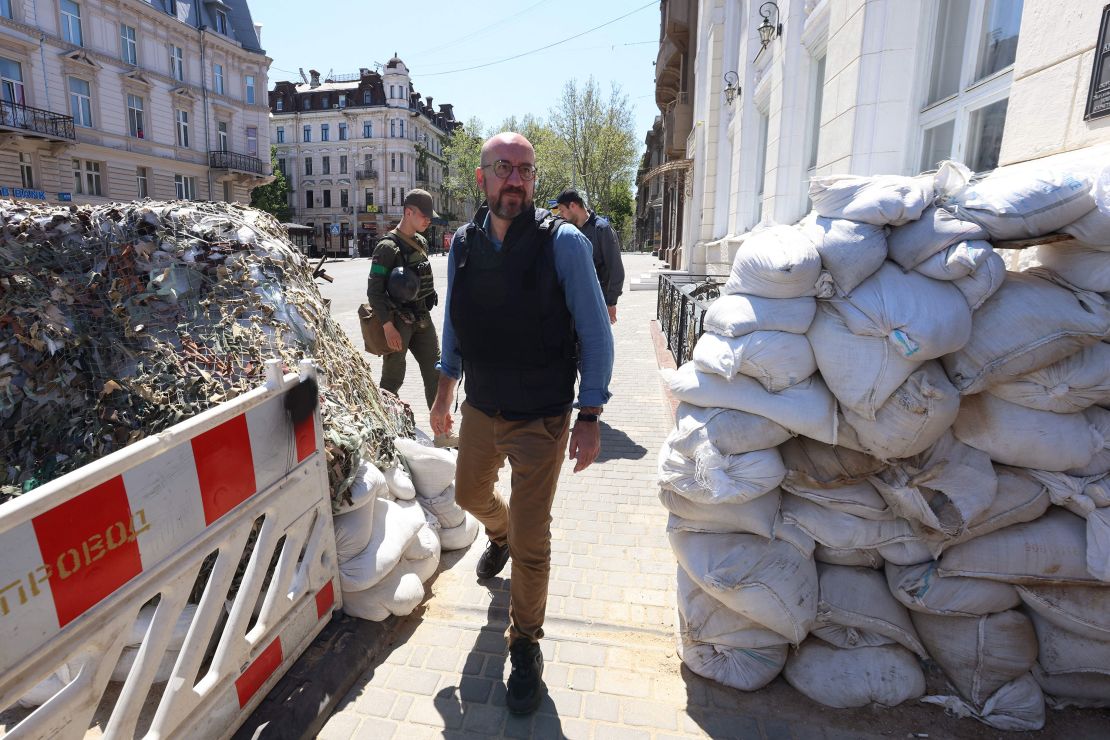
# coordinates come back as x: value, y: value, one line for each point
x: 439, y: 416
x: 392, y: 336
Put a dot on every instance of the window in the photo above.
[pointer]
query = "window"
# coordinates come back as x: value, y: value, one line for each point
x: 135, y: 116
x: 306, y: 103
x: 342, y: 132
x: 402, y: 158
x: 342, y: 101
x: 252, y: 141
x: 393, y: 196
x: 221, y: 22
x: 26, y: 170
x: 325, y: 165
x: 218, y: 78
x: 974, y: 45
x: 80, y: 102
x: 402, y: 125
x: 761, y: 164
x: 367, y: 130
x: 815, y: 115
x: 308, y: 165
x: 129, y: 50
x: 6, y: 8
x: 186, y: 187
x: 171, y: 6
x: 11, y: 81
x: 392, y: 162
x: 182, y: 128
x: 392, y: 128
x: 344, y: 198
x: 366, y: 99
x: 227, y: 192
x: 86, y: 177
x: 141, y: 180
x: 307, y: 132
x: 325, y: 132
x: 308, y: 199
x: 327, y: 199
x: 279, y: 104
x: 280, y: 134
x: 343, y: 164
x: 325, y: 102
x: 281, y: 166
x: 250, y: 89
x: 177, y: 63
x: 221, y: 135
x: 71, y: 22
x: 368, y: 194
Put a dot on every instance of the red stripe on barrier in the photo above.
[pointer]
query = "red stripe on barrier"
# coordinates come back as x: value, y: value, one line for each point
x: 257, y: 672
x: 90, y: 548
x: 225, y: 467
x: 325, y: 599
x: 305, y: 433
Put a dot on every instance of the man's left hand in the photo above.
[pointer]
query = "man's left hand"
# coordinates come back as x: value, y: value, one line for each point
x: 585, y: 444
x: 612, y: 314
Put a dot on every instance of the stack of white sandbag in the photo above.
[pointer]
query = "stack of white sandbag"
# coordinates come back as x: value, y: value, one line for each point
x: 888, y: 444
x: 433, y: 478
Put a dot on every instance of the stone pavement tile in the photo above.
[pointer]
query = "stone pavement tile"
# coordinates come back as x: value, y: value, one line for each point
x: 623, y: 684
x: 619, y: 732
x: 376, y: 729
x: 576, y: 729
x: 776, y: 730
x: 600, y: 707
x: 723, y: 724
x: 341, y: 726
x: 563, y: 703
x: 582, y: 679
x: 548, y: 727
x: 474, y: 664
x: 418, y: 656
x: 437, y: 635
x: 444, y: 659
x: 441, y: 711
x: 519, y: 726
x: 483, y: 719
x: 556, y: 675
x: 475, y: 690
x: 374, y: 702
x: 401, y: 707
x: 581, y: 654
x: 652, y: 715
x: 413, y: 680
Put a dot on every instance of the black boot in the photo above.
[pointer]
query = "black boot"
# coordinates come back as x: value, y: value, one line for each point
x: 493, y: 560
x: 525, y: 685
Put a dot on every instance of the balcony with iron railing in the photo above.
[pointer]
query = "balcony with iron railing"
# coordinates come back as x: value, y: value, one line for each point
x: 224, y: 160
x: 366, y: 174
x: 36, y: 122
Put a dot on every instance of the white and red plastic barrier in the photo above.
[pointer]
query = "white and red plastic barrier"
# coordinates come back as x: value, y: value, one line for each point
x: 82, y: 555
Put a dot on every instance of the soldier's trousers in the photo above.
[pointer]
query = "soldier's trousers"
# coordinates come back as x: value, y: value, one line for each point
x: 421, y: 340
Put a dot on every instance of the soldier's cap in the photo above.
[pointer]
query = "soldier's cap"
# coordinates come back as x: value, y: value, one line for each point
x: 422, y: 201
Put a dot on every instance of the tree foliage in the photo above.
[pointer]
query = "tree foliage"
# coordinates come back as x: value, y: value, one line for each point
x: 273, y: 197
x: 463, y: 153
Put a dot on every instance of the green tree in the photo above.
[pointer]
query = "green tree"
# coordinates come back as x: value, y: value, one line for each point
x: 552, y: 156
x: 622, y: 204
x: 273, y: 197
x: 463, y: 153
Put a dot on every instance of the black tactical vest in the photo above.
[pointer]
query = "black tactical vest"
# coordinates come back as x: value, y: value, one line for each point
x: 515, y: 332
x: 416, y: 260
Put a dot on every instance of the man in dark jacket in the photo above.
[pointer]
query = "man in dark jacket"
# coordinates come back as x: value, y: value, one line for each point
x: 401, y: 291
x: 524, y: 315
x: 606, y: 244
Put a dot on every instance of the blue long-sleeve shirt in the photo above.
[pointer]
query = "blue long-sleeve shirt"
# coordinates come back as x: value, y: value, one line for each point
x: 574, y: 268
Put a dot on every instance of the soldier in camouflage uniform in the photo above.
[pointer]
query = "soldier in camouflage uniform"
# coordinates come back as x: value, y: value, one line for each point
x: 400, y: 290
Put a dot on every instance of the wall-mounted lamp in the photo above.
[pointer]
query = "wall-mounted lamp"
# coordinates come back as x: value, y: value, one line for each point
x: 732, y: 87
x: 768, y: 31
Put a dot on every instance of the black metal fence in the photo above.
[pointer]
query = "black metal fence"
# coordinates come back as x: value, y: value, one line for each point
x: 224, y: 160
x: 680, y: 308
x: 17, y: 115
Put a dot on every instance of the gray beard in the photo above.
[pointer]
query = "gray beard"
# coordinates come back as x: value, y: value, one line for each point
x: 506, y: 212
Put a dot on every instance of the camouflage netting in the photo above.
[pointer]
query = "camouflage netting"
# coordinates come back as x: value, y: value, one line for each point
x: 119, y: 321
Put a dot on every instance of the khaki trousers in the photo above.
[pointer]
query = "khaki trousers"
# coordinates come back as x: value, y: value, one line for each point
x: 535, y: 449
x: 419, y: 338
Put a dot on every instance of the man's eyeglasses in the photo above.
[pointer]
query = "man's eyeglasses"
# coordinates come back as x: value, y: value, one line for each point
x: 503, y: 170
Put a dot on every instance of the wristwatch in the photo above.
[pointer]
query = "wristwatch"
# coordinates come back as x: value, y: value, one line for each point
x: 589, y: 414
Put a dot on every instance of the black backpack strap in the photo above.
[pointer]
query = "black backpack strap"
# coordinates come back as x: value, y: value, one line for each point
x: 461, y: 246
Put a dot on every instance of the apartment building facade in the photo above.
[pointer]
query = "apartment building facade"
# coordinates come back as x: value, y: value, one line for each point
x: 785, y: 91
x: 352, y: 145
x: 123, y: 99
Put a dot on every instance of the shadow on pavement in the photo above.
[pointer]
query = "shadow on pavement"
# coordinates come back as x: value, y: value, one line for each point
x: 616, y: 445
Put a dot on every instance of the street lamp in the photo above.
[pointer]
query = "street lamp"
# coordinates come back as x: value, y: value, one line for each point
x: 767, y: 31
x: 732, y: 87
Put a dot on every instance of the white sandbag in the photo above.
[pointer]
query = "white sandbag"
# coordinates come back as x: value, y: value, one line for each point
x: 806, y: 408
x: 747, y: 669
x: 704, y: 619
x: 979, y: 654
x: 753, y: 517
x: 880, y: 200
x: 921, y: 317
x: 943, y: 489
x: 1066, y: 386
x: 1092, y: 230
x: 768, y: 581
x: 842, y: 531
x: 127, y: 659
x: 1071, y: 492
x: 1064, y: 690
x: 1026, y: 203
x: 850, y: 250
x: 1062, y: 651
x: 984, y: 282
x: 367, y: 484
x: 1020, y: 498
x: 853, y: 558
x: 1016, y: 707
x: 861, y: 371
x: 1084, y: 267
x: 1052, y: 549
x: 1083, y: 610
x: 353, y: 530
x: 398, y: 593
x: 777, y: 359
x: 1028, y: 324
x: 855, y: 609
x: 957, y: 261
x: 912, y: 419
x: 400, y: 483
x: 910, y: 552
x: 1099, y: 418
x: 1016, y: 435
x: 886, y: 675
x: 938, y: 229
x: 433, y: 469
x: 801, y: 541
x: 395, y: 525
x: 730, y: 432
x: 714, y: 478
x: 461, y: 536
x: 443, y: 507
x: 45, y: 690
x: 138, y: 634
x: 920, y: 589
x: 858, y: 499
x: 812, y: 463
x: 777, y: 262
x: 737, y: 315
x: 425, y: 544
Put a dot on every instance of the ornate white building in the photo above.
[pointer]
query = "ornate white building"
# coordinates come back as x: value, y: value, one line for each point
x: 123, y: 99
x: 352, y: 145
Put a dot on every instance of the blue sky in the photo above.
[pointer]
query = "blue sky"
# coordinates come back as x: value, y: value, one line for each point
x: 437, y: 37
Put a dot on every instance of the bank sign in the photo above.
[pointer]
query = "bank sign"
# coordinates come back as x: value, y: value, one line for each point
x: 28, y: 194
